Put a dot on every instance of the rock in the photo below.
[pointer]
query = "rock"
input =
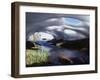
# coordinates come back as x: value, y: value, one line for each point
x: 29, y: 45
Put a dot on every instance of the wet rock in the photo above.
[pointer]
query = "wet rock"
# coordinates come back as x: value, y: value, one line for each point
x: 29, y: 45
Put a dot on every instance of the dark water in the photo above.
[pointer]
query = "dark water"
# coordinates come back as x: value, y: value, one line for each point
x: 64, y: 55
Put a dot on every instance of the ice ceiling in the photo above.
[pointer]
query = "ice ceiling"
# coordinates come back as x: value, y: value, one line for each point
x: 59, y: 26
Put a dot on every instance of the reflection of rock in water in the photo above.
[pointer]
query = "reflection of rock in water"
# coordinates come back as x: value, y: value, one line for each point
x: 76, y: 44
x: 70, y: 52
x: 71, y: 44
x: 66, y: 53
x: 66, y: 56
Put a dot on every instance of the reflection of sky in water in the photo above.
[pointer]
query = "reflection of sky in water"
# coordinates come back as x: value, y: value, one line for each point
x: 68, y: 26
x: 50, y: 26
x: 72, y: 21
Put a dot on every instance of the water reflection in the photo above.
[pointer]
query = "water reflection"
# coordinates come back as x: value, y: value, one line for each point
x: 63, y: 38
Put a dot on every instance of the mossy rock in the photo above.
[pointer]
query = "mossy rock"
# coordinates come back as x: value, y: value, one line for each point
x: 36, y: 56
